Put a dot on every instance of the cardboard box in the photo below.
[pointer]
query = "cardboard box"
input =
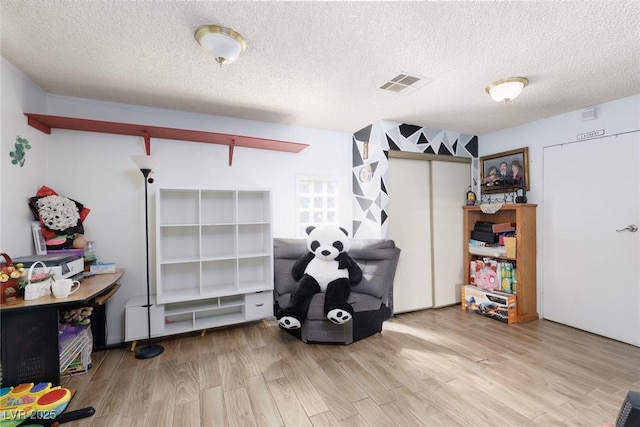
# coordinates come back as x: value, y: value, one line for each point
x: 503, y: 227
x: 103, y: 268
x: 510, y: 246
x: 495, y: 305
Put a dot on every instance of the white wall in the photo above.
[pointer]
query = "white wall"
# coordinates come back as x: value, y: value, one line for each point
x: 17, y: 183
x: 614, y: 117
x: 95, y: 169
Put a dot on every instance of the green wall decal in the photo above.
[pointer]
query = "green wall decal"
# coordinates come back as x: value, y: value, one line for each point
x: 21, y: 145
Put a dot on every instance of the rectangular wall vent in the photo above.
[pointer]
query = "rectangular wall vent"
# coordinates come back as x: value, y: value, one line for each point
x: 405, y: 83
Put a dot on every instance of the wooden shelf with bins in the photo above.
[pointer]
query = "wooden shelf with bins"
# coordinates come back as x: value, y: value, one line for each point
x: 524, y: 217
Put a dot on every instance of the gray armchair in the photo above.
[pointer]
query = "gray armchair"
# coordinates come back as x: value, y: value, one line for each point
x: 372, y: 298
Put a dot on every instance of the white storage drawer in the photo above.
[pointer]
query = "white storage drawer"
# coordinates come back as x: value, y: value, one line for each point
x: 258, y: 305
x: 136, y: 326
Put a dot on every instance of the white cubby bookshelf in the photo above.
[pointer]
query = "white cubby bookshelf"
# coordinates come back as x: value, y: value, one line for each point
x: 214, y: 261
x: 212, y: 243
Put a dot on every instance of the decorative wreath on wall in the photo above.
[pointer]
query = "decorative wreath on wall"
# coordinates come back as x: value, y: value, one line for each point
x: 61, y: 218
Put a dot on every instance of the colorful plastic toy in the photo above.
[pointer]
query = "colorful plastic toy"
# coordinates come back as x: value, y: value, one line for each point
x: 40, y: 401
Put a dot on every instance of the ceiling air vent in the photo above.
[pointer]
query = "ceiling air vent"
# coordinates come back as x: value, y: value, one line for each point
x: 405, y: 83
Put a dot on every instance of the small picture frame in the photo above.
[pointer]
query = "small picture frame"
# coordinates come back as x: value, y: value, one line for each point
x: 38, y: 238
x: 505, y: 172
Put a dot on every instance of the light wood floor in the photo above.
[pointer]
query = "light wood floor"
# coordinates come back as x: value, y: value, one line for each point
x: 439, y: 367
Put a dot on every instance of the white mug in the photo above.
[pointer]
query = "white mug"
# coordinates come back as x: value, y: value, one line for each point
x: 62, y: 287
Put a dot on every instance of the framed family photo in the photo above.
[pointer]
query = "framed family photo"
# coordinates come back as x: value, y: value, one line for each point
x: 505, y: 172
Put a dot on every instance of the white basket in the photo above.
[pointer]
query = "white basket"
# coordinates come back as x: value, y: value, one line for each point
x: 36, y: 290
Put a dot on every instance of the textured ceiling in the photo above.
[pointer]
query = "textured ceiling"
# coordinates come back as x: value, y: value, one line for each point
x: 319, y: 64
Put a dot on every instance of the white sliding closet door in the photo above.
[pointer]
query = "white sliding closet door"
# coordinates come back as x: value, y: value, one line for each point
x: 410, y: 227
x: 449, y: 185
x: 591, y: 272
x: 426, y: 222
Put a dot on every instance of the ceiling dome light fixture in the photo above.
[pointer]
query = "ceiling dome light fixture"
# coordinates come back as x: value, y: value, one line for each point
x: 506, y: 89
x: 223, y: 43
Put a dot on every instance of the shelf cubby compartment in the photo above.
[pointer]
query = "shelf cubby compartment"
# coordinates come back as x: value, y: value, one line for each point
x: 219, y: 317
x: 255, y: 273
x: 218, y: 241
x: 178, y: 207
x: 206, y: 304
x: 228, y: 310
x: 475, y: 255
x: 219, y: 277
x: 179, y: 243
x: 218, y: 207
x: 180, y: 281
x: 254, y: 239
x: 254, y: 206
x: 178, y: 323
x: 209, y: 313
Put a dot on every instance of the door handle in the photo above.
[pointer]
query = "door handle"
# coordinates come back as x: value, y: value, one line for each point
x: 631, y: 227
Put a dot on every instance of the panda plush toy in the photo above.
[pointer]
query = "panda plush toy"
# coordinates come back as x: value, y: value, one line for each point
x: 328, y: 268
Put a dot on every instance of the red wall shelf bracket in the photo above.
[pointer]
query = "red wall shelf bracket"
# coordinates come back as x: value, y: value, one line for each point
x: 147, y: 143
x: 37, y: 124
x: 232, y: 145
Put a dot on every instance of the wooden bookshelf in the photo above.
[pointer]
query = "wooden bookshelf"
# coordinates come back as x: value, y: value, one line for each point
x: 524, y: 217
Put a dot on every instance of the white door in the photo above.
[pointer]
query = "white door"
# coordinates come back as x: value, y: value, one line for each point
x: 449, y: 185
x: 410, y: 228
x: 590, y: 271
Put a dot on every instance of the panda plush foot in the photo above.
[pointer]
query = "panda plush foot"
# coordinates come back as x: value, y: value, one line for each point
x: 339, y: 316
x: 289, y: 322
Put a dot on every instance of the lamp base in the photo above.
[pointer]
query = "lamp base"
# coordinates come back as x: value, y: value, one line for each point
x: 149, y: 351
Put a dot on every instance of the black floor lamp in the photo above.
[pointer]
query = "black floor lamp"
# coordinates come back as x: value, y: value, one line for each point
x: 145, y: 163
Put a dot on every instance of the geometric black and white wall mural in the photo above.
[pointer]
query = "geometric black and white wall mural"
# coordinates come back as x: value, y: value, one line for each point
x: 371, y: 165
